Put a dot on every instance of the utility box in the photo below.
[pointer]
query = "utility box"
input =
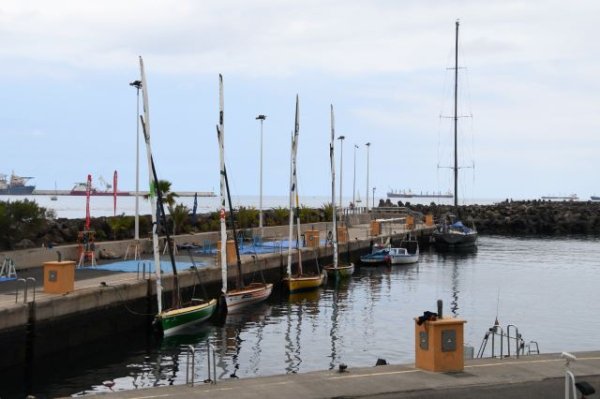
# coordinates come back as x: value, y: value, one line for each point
x: 410, y: 222
x: 429, y: 220
x: 375, y: 228
x: 312, y: 238
x: 342, y: 235
x: 439, y: 345
x: 231, y: 257
x: 59, y: 277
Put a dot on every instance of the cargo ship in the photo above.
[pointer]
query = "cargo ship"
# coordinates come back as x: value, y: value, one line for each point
x: 16, y: 185
x: 410, y: 194
x: 81, y: 189
x: 572, y: 197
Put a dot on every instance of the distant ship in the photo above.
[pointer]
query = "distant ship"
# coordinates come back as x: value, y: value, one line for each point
x: 595, y: 198
x: 410, y: 194
x: 81, y: 189
x: 15, y: 186
x: 572, y: 197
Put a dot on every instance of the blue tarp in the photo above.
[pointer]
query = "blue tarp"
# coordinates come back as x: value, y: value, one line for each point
x: 134, y: 266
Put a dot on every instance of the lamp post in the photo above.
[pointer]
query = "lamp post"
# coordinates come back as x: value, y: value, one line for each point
x: 138, y: 85
x: 367, y: 202
x: 373, y: 197
x: 341, y: 139
x: 354, y: 179
x: 261, y: 118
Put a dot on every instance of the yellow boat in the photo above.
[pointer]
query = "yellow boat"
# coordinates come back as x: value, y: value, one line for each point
x: 296, y: 283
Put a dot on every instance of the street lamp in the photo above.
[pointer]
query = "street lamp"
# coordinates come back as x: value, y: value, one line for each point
x: 374, y: 197
x: 367, y: 203
x: 138, y: 85
x: 354, y: 179
x: 261, y: 118
x: 341, y: 139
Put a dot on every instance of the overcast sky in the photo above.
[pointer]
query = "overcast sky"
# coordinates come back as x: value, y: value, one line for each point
x: 530, y: 82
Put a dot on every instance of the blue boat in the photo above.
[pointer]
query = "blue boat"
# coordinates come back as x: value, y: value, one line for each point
x: 377, y: 257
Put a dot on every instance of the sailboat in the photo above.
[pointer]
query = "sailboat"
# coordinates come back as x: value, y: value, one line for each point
x: 243, y: 295
x: 452, y: 233
x: 335, y: 270
x: 300, y: 281
x: 178, y: 317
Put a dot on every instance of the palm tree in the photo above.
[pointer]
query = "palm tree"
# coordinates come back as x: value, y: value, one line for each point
x: 179, y: 214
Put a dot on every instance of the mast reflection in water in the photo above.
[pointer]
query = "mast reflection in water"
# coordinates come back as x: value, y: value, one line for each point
x: 369, y: 318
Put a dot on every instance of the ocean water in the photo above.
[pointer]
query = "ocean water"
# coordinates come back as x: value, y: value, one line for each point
x: 547, y: 287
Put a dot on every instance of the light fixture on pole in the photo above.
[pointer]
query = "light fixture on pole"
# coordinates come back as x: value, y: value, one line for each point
x: 341, y: 139
x: 367, y: 202
x: 261, y: 118
x: 354, y: 179
x: 138, y: 85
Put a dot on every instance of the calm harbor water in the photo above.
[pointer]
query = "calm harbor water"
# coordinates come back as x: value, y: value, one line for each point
x: 548, y: 287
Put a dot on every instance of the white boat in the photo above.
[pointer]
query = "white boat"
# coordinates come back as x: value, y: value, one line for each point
x: 401, y: 256
x: 452, y: 233
x: 242, y: 295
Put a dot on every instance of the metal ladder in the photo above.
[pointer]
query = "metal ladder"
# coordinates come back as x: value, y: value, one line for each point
x: 25, y: 282
x: 190, y: 364
x: 501, y: 339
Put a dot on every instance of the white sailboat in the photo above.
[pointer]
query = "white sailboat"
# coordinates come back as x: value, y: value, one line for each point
x: 335, y: 270
x: 299, y: 281
x: 178, y: 317
x: 243, y: 295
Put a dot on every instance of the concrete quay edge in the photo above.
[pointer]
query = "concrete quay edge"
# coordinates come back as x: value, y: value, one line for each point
x: 527, y: 377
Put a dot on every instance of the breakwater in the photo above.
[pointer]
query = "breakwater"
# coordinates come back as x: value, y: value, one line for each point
x: 526, y: 217
x: 505, y: 218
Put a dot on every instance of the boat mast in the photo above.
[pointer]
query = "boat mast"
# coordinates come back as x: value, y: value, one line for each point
x: 295, y: 175
x: 151, y: 197
x: 333, y: 209
x: 293, y: 194
x: 291, y: 218
x: 220, y: 135
x: 456, y: 118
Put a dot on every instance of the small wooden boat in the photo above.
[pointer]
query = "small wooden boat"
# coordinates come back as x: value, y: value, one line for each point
x: 299, y: 281
x: 242, y: 295
x: 180, y: 316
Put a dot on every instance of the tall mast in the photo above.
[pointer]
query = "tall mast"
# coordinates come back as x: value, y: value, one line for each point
x: 151, y: 197
x: 291, y: 218
x: 221, y: 136
x: 332, y: 160
x: 456, y: 118
x: 295, y: 175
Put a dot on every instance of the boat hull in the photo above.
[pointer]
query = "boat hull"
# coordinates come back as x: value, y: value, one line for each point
x: 404, y: 259
x: 18, y: 190
x: 253, y: 293
x: 295, y: 284
x: 453, y: 240
x: 174, y: 320
x: 340, y: 272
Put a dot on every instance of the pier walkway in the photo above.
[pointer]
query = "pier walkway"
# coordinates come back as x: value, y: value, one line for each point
x: 532, y: 377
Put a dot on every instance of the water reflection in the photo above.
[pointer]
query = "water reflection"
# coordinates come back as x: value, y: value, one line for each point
x: 299, y: 305
x: 456, y: 260
x: 339, y: 304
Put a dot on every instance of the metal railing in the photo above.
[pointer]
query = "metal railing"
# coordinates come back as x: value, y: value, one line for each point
x: 499, y: 339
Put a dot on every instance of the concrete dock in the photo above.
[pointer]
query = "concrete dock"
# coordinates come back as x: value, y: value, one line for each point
x: 535, y: 376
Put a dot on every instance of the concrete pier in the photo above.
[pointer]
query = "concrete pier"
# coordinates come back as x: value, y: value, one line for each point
x: 63, y: 321
x: 532, y: 377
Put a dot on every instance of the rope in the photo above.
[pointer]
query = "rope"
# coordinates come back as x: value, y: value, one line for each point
x: 103, y: 284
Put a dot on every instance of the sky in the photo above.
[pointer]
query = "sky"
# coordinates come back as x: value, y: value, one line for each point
x: 529, y: 94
